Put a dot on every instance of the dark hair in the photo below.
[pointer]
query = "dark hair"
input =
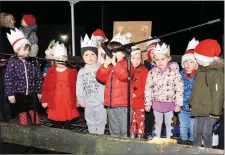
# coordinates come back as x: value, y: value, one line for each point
x: 114, y: 44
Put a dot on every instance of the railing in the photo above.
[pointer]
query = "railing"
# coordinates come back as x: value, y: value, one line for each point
x: 78, y: 143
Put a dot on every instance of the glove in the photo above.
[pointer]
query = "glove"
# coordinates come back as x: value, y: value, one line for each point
x: 12, y: 99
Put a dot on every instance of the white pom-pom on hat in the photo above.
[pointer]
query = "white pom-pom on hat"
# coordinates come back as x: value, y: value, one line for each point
x: 128, y: 35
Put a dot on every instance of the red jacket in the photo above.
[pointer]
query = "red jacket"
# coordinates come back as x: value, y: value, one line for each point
x: 116, y: 84
x: 49, y: 86
x: 139, y: 81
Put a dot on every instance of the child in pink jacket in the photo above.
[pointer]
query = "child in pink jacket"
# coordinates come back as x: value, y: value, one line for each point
x: 163, y: 89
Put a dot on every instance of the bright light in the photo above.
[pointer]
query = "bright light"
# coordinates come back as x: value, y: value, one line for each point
x: 64, y: 37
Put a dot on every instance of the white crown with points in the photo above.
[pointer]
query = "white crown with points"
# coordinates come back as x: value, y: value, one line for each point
x: 192, y: 44
x: 86, y: 42
x: 135, y: 50
x: 59, y: 50
x: 123, y: 39
x: 162, y: 49
x: 17, y: 39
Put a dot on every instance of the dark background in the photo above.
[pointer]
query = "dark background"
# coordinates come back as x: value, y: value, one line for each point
x: 54, y: 18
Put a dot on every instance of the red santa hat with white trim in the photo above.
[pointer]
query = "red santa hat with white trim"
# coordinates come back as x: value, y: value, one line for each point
x: 17, y: 39
x: 100, y: 35
x: 189, y: 54
x: 151, y: 46
x: 207, y: 50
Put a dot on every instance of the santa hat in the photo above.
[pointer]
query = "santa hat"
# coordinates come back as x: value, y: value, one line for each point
x: 135, y: 50
x: 29, y: 19
x: 207, y: 50
x: 89, y: 45
x: 162, y: 49
x: 151, y: 45
x: 122, y: 39
x: 100, y: 35
x: 188, y: 55
x: 17, y: 39
x: 59, y: 50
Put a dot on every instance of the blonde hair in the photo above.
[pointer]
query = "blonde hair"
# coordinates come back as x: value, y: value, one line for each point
x: 5, y: 19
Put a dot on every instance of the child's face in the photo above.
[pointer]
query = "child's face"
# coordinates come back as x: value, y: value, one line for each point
x: 23, y: 23
x: 161, y: 60
x: 60, y: 64
x: 90, y: 57
x: 119, y: 56
x: 24, y: 51
x: 100, y: 42
x: 136, y: 59
x: 190, y: 65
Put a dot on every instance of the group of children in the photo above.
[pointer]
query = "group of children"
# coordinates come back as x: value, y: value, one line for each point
x: 100, y: 87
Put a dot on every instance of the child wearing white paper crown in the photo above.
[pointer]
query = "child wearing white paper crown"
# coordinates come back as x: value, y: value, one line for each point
x: 188, y: 73
x: 19, y: 78
x: 59, y: 90
x: 140, y: 75
x: 164, y: 89
x: 114, y: 74
x: 90, y: 93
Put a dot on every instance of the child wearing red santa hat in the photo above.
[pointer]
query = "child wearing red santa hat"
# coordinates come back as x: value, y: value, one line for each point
x: 208, y: 92
x: 29, y: 28
x: 101, y: 38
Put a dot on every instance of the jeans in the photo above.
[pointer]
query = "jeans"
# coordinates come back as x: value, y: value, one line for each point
x: 186, y: 126
x: 203, y: 130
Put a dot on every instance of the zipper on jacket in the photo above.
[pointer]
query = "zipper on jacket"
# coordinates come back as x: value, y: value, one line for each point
x: 26, y: 77
x: 111, y: 78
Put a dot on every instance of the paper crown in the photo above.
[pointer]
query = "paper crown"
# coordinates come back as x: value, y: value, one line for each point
x: 50, y: 46
x: 162, y: 49
x: 151, y: 42
x: 135, y: 50
x: 59, y: 50
x: 192, y: 44
x: 123, y: 39
x: 86, y: 42
x: 17, y: 39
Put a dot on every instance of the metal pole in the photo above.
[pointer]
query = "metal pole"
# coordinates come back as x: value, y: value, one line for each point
x: 73, y: 26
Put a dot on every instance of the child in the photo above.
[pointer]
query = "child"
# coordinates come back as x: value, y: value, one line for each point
x: 59, y: 90
x: 101, y: 38
x: 29, y: 28
x: 208, y: 92
x: 19, y: 77
x: 114, y: 74
x: 188, y: 74
x: 49, y: 55
x: 140, y: 75
x: 90, y: 93
x: 149, y: 64
x: 164, y: 89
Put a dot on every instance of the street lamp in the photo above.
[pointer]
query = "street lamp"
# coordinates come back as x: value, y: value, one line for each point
x: 64, y: 37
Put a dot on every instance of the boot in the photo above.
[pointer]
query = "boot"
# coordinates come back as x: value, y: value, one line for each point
x: 182, y: 142
x: 132, y: 135
x: 190, y: 143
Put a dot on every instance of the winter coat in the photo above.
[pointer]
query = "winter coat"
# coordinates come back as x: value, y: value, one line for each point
x: 164, y: 86
x: 19, y: 77
x: 139, y: 81
x: 115, y: 94
x: 188, y: 86
x: 49, y: 85
x: 208, y: 92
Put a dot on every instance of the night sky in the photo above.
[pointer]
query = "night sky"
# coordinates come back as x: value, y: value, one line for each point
x: 54, y: 18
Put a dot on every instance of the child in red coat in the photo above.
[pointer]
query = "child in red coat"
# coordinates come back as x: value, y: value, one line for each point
x: 140, y: 75
x: 59, y: 90
x: 114, y: 74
